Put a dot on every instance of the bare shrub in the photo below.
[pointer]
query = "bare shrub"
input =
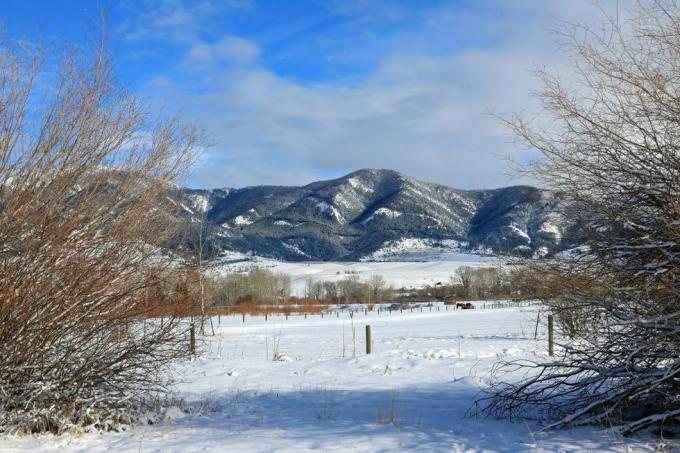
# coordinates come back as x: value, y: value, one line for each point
x: 82, y: 215
x: 614, y: 151
x: 561, y: 287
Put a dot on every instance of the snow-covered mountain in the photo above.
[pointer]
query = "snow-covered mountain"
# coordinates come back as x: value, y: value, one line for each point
x: 370, y: 212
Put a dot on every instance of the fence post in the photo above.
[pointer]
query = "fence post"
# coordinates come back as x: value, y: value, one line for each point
x: 538, y: 316
x: 265, y: 315
x: 192, y: 339
x: 551, y: 350
x: 244, y: 317
x: 368, y: 339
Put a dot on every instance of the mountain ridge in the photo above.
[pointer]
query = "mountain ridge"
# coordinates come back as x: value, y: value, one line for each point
x: 354, y: 216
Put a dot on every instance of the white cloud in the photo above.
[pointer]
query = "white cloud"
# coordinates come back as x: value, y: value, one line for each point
x: 177, y: 21
x: 230, y: 48
x: 424, y: 114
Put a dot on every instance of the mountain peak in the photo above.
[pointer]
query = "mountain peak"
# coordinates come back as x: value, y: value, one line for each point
x: 355, y: 215
x: 374, y: 172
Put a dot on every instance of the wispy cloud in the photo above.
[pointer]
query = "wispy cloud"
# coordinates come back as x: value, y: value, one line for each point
x: 231, y: 49
x: 178, y: 21
x: 421, y: 108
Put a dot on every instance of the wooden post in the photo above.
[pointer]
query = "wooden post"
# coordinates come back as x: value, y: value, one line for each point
x: 244, y: 317
x: 265, y: 315
x: 305, y: 315
x: 192, y: 339
x: 538, y: 316
x: 551, y: 349
x: 368, y: 339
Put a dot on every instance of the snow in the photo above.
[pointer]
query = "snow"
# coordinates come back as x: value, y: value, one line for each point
x: 430, y: 218
x: 411, y: 394
x: 385, y: 212
x: 282, y: 223
x: 332, y: 210
x: 341, y: 200
x: 412, y: 249
x: 421, y: 190
x: 186, y: 208
x: 242, y: 220
x: 541, y: 252
x: 199, y: 202
x: 295, y: 249
x: 520, y: 232
x: 551, y: 228
x: 360, y: 186
x: 323, y: 206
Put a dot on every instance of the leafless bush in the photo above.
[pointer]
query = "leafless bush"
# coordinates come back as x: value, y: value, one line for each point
x: 562, y: 287
x: 82, y: 215
x: 614, y: 149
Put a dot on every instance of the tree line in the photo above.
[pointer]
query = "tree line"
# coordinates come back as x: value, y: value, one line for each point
x: 182, y: 291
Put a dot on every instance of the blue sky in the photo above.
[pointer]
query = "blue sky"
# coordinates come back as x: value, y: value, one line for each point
x: 292, y: 91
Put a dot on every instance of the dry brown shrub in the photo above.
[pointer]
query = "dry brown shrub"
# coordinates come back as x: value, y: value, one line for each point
x: 83, y: 172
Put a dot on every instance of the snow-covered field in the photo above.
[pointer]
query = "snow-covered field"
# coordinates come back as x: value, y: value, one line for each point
x: 324, y: 393
x: 399, y: 274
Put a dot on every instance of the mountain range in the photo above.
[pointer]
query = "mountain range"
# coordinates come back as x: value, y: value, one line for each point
x: 366, y: 212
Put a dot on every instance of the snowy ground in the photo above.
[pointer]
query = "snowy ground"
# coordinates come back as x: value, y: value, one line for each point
x: 399, y: 274
x: 325, y: 394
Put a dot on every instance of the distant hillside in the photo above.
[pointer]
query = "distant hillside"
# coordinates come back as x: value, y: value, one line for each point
x: 369, y: 211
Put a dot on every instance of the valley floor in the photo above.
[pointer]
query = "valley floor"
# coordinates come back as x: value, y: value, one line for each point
x: 324, y: 393
x: 399, y: 273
